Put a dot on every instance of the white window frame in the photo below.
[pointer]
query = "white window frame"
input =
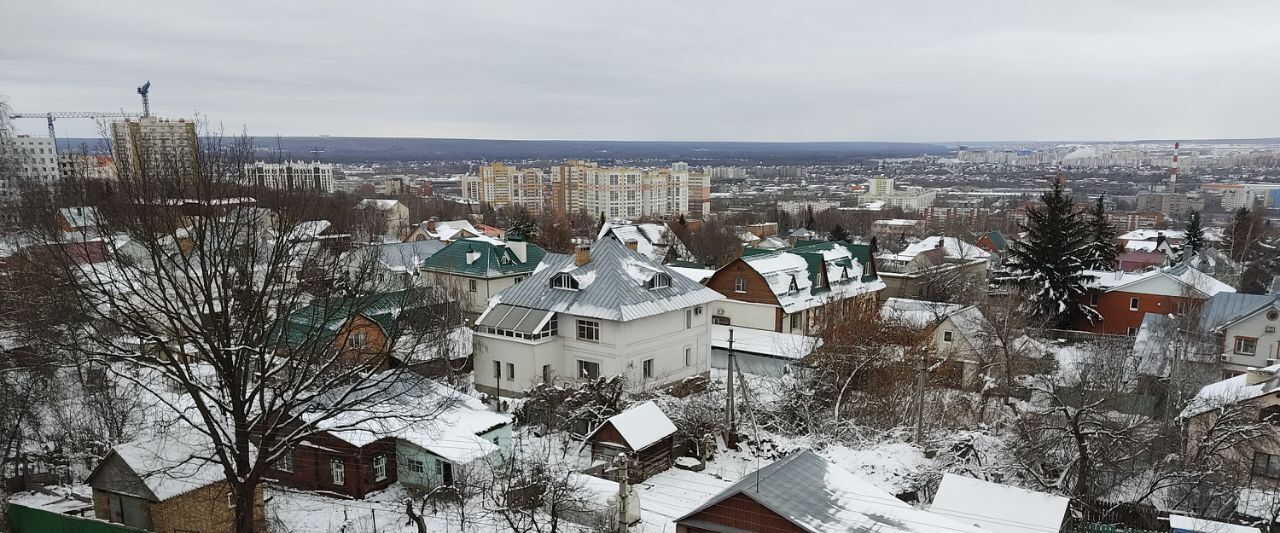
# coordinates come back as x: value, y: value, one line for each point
x: 1133, y: 303
x: 688, y: 356
x: 357, y: 339
x: 416, y: 466
x: 586, y: 327
x: 285, y: 462
x: 472, y: 286
x: 739, y: 284
x: 646, y: 368
x: 582, y: 363
x: 337, y: 472
x: 1236, y: 349
x: 511, y: 371
x: 379, y: 467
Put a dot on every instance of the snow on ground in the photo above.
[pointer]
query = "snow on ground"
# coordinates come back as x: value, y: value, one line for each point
x: 892, y: 466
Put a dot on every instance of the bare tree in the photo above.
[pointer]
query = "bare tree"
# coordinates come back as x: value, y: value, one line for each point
x: 203, y: 289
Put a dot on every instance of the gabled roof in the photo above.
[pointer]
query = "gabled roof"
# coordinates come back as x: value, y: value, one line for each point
x: 1226, y: 308
x: 81, y: 217
x: 611, y: 286
x: 952, y: 246
x: 315, y: 326
x: 652, y: 240
x: 997, y: 239
x: 380, y: 205
x: 406, y: 256
x: 999, y: 508
x: 641, y: 425
x: 917, y: 313
x: 821, y: 497
x: 1231, y: 390
x: 795, y: 276
x: 496, y: 259
x: 1168, y: 281
x: 450, y: 230
x: 169, y: 465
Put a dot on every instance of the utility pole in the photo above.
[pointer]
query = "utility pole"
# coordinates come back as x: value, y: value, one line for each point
x: 729, y: 407
x: 623, y: 490
x: 922, y: 369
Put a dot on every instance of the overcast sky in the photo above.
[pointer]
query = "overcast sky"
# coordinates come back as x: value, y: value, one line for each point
x: 659, y: 70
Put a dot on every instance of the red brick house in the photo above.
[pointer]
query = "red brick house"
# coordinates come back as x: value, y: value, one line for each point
x: 1124, y: 298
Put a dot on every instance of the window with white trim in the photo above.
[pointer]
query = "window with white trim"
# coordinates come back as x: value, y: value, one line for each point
x: 357, y: 340
x: 416, y: 466
x: 588, y: 330
x: 338, y: 471
x: 1246, y: 345
x: 379, y: 467
x: 588, y: 369
x: 688, y: 356
x: 739, y: 284
x: 1133, y: 304
x: 511, y: 371
x: 285, y: 462
x: 946, y: 336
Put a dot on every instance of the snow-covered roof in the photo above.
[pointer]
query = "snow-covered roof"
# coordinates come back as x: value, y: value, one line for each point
x: 821, y: 497
x: 764, y: 342
x: 896, y: 221
x: 653, y: 240
x: 1168, y: 281
x: 309, y: 229
x: 81, y: 217
x: 173, y: 464
x: 422, y: 412
x: 640, y: 426
x: 611, y: 286
x: 772, y: 243
x: 1152, y: 234
x: 1232, y: 390
x: 999, y: 508
x: 380, y: 205
x: 916, y: 313
x: 696, y: 274
x: 1199, y: 525
x: 953, y: 246
x: 791, y: 280
x: 1140, y: 246
x: 450, y: 229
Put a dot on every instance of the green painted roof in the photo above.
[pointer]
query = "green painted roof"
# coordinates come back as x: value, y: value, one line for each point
x: 998, y: 239
x: 316, y: 325
x: 496, y: 260
x: 812, y: 253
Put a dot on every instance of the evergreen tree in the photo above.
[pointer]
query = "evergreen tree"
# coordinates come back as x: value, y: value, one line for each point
x: 598, y: 228
x: 838, y: 234
x: 1103, y: 252
x: 522, y: 225
x: 1049, y: 262
x: 810, y: 222
x: 1195, y: 237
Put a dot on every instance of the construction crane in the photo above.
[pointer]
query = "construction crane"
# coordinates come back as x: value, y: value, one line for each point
x: 53, y: 116
x: 145, y: 90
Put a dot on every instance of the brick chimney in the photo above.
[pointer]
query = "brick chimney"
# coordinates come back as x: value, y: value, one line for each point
x: 582, y: 255
x: 633, y: 245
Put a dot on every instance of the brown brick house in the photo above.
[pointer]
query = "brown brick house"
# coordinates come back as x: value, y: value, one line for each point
x: 161, y: 485
x: 1123, y: 299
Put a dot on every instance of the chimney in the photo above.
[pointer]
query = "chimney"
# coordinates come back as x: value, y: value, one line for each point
x: 1258, y: 376
x: 582, y: 255
x: 472, y: 255
x: 633, y: 245
x: 431, y: 224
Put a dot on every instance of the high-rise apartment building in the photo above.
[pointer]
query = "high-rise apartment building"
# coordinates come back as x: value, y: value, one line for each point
x: 26, y: 160
x: 155, y: 147
x: 86, y: 167
x: 291, y: 175
x: 699, y: 194
x: 583, y: 186
x: 883, y: 189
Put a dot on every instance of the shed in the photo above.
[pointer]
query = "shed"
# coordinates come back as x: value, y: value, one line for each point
x: 643, y: 432
x: 999, y: 508
x: 1187, y: 524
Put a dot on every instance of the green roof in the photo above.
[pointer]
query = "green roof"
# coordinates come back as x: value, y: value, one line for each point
x: 496, y: 259
x: 998, y: 239
x: 316, y: 325
x: 812, y: 253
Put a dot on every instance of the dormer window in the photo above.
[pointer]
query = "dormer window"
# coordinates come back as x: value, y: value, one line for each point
x: 844, y: 274
x: 564, y: 281
x: 659, y: 281
x: 795, y: 287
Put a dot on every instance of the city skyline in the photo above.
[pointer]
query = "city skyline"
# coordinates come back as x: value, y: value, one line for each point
x: 921, y: 71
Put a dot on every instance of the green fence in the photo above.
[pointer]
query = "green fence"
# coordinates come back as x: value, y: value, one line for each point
x: 29, y: 520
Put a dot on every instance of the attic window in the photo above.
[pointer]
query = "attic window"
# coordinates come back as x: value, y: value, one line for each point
x: 795, y: 287
x: 564, y: 281
x: 659, y: 281
x: 844, y: 273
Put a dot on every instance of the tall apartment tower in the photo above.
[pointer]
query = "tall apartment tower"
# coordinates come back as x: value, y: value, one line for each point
x: 501, y: 185
x: 155, y: 147
x: 26, y: 160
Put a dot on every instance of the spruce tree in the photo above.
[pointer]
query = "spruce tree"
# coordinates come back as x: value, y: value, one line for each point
x: 1194, y: 240
x: 1102, y: 253
x: 1048, y: 263
x: 838, y: 234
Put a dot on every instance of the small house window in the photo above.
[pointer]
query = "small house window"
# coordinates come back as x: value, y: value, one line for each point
x: 231, y: 500
x: 564, y: 281
x: 1131, y: 332
x: 795, y: 321
x: 357, y: 340
x: 647, y: 367
x: 946, y: 336
x: 589, y: 330
x: 739, y: 285
x: 471, y: 285
x: 497, y: 369
x: 517, y: 279
x: 658, y: 281
x: 688, y: 319
x: 1133, y: 304
x: 1246, y: 345
x: 511, y: 371
x: 338, y: 471
x: 588, y: 369
x: 688, y: 357
x: 546, y: 373
x: 285, y: 462
x: 795, y: 287
x: 379, y: 467
x: 1093, y: 298
x: 416, y: 466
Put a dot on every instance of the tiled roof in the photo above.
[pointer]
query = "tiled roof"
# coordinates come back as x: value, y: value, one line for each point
x: 611, y: 286
x: 496, y: 258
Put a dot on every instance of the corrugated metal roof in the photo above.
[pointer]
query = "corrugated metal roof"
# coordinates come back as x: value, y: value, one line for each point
x: 496, y: 258
x: 610, y: 287
x: 1227, y: 307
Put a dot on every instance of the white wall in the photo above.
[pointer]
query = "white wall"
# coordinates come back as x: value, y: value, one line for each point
x: 748, y: 314
x: 1268, y: 342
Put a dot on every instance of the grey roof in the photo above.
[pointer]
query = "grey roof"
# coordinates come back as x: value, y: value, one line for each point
x: 517, y: 319
x: 820, y: 497
x: 407, y: 256
x: 1227, y: 307
x: 611, y: 286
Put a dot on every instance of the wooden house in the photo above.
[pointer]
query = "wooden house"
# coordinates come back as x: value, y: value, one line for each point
x: 643, y: 432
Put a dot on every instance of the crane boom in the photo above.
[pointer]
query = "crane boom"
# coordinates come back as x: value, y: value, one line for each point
x: 73, y: 114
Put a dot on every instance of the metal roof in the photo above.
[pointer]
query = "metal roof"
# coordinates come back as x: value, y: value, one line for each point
x: 496, y: 258
x: 611, y: 286
x: 1227, y: 307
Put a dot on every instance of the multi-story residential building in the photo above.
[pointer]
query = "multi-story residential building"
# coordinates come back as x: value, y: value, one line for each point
x: 605, y: 310
x: 699, y: 193
x: 476, y: 268
x: 501, y: 185
x: 883, y: 189
x: 1247, y: 195
x: 34, y: 160
x: 895, y: 228
x: 578, y: 186
x: 291, y: 175
x: 154, y: 147
x: 1122, y: 299
x: 794, y: 291
x: 86, y: 167
x: 1174, y: 204
x: 801, y: 207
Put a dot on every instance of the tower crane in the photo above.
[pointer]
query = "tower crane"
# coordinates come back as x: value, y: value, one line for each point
x: 144, y: 90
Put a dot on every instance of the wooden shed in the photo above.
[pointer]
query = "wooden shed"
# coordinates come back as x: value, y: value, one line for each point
x: 643, y: 432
